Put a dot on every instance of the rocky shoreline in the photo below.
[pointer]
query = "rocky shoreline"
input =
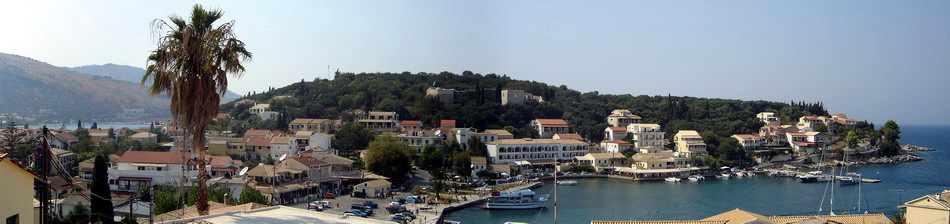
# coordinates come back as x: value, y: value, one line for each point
x: 915, y: 148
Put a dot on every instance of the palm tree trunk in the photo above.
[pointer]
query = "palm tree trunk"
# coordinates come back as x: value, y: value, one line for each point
x: 197, y: 141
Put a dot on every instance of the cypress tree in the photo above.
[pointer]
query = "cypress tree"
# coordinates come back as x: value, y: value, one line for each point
x: 101, y: 199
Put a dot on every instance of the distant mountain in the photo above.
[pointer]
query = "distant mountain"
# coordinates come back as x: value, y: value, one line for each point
x: 126, y: 73
x: 36, y: 89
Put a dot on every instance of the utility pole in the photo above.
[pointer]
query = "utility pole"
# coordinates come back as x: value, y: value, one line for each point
x: 151, y: 204
x: 43, y: 187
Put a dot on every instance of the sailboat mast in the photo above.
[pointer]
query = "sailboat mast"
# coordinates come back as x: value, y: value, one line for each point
x: 831, y: 206
x: 556, y: 165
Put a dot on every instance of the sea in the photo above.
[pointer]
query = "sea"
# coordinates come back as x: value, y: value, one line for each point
x: 607, y: 199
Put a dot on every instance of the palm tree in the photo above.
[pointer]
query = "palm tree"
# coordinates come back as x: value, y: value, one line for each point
x: 191, y: 65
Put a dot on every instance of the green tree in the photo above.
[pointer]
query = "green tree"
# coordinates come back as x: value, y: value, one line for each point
x: 462, y: 163
x: 851, y: 139
x: 101, y: 195
x: 821, y: 128
x: 249, y: 195
x: 191, y: 64
x: 10, y: 138
x: 891, y: 131
x: 79, y: 214
x: 477, y: 147
x: 388, y: 157
x: 352, y: 137
x: 432, y: 157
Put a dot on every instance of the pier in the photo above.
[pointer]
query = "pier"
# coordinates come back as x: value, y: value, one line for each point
x: 863, y: 180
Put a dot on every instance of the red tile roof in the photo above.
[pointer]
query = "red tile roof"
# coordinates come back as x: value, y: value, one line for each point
x: 308, y: 161
x: 154, y: 157
x: 222, y: 116
x: 447, y: 123
x: 257, y: 141
x: 256, y: 133
x: 618, y: 129
x: 574, y: 136
x: 219, y: 160
x: 551, y: 121
x: 67, y: 136
x: 617, y: 142
x: 411, y: 123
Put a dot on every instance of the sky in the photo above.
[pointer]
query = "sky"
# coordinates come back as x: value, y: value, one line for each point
x: 872, y: 60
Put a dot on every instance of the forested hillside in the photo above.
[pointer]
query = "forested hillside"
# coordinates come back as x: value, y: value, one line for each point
x: 586, y: 112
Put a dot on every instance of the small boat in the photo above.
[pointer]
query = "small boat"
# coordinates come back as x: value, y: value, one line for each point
x: 673, y: 179
x: 724, y: 176
x: 567, y: 183
x: 741, y: 174
x: 850, y: 178
x: 695, y: 178
x: 520, y: 199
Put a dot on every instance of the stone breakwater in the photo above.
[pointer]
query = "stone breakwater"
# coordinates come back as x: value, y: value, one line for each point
x: 915, y: 148
x: 903, y: 158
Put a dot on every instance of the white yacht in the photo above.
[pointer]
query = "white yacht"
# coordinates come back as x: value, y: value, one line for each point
x: 695, y: 178
x: 673, y: 179
x: 567, y: 183
x: 520, y: 199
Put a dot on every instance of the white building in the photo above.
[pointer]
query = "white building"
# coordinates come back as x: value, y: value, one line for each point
x: 517, y: 97
x: 282, y: 146
x: 615, y: 133
x: 621, y: 118
x: 750, y: 141
x: 644, y: 135
x: 137, y: 169
x: 478, y: 164
x: 548, y: 127
x: 446, y: 96
x: 462, y: 136
x: 769, y: 118
x: 257, y: 109
x: 689, y: 143
x: 382, y: 121
x: 322, y: 141
x: 616, y: 146
x: 510, y: 150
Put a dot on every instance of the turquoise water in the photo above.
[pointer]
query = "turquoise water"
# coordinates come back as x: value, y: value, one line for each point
x: 602, y: 199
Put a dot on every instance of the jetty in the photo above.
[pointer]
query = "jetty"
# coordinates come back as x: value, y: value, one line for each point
x: 863, y: 180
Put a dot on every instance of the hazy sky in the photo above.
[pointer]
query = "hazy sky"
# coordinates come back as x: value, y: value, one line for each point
x: 874, y: 60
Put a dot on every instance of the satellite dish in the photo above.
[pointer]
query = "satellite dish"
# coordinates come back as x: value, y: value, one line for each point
x: 243, y: 171
x: 282, y: 157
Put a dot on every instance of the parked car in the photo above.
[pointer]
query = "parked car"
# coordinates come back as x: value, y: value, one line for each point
x: 356, y: 213
x: 329, y: 196
x: 315, y: 206
x: 371, y: 204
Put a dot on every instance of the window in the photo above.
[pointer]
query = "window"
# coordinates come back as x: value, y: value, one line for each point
x: 14, y: 219
x: 141, y: 168
x: 158, y: 168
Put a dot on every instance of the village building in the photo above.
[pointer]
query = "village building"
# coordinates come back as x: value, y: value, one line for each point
x: 313, y: 125
x: 226, y: 146
x: 809, y: 123
x: 616, y: 146
x: 86, y: 166
x: 65, y: 159
x: 478, y: 164
x: 768, y: 118
x: 546, y: 128
x: 511, y: 96
x: 372, y: 189
x: 224, y: 166
x: 280, y: 184
x: 256, y: 133
x: 446, y: 96
x: 690, y: 143
x: 615, y: 133
x: 931, y: 208
x: 280, y: 146
x: 511, y: 150
x: 622, y: 118
x: 17, y: 188
x: 750, y: 142
x: 603, y: 162
x: 572, y: 136
x: 644, y: 135
x: 410, y: 124
x: 63, y: 140
x: 256, y: 149
x: 320, y: 142
x: 317, y: 171
x: 382, y: 121
x: 417, y: 139
x: 144, y: 137
x: 462, y: 136
x: 446, y: 123
x: 138, y: 169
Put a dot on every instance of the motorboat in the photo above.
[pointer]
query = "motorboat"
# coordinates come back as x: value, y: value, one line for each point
x: 673, y: 179
x: 724, y: 175
x: 567, y: 183
x: 850, y: 178
x: 520, y: 199
x: 695, y: 178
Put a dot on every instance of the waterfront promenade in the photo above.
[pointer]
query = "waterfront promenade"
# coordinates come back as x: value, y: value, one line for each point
x: 438, y: 211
